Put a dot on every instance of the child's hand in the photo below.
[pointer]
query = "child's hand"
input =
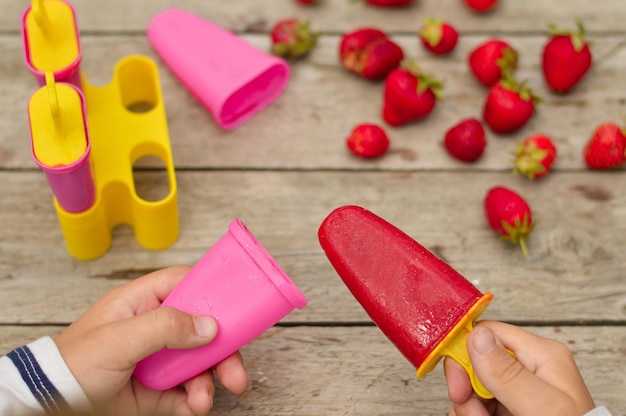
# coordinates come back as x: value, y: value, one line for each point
x: 544, y: 380
x: 126, y: 325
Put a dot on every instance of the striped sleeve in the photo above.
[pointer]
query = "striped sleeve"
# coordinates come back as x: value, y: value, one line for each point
x: 35, y: 380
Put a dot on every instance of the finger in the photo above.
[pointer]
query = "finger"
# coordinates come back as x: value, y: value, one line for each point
x: 149, y: 291
x: 134, y: 338
x: 232, y: 373
x: 459, y: 386
x: 473, y: 407
x: 510, y: 382
x: 200, y: 391
x: 548, y: 359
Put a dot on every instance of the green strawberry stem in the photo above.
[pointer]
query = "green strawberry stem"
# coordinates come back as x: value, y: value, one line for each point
x: 528, y: 160
x: 522, y: 243
x: 578, y: 38
x: 432, y: 31
x: 425, y: 81
x: 507, y: 63
x: 518, y: 231
x: 510, y: 83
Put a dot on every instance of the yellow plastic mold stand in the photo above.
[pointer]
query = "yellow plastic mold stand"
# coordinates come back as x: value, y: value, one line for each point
x: 126, y: 121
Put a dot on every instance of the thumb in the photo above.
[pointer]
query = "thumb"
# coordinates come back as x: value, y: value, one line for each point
x: 505, y: 377
x: 144, y: 334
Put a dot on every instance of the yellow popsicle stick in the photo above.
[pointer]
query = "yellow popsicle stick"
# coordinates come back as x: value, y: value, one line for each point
x: 53, y: 101
x: 40, y: 14
x: 457, y: 350
x: 454, y: 345
x: 53, y: 41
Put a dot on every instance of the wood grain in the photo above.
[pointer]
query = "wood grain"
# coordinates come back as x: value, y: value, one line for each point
x: 285, y: 169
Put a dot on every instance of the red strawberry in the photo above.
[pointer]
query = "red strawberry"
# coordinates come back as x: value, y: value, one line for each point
x: 308, y: 1
x: 508, y: 106
x: 466, y: 140
x: 606, y: 149
x: 368, y: 52
x: 389, y: 3
x: 292, y: 38
x: 566, y: 59
x: 481, y: 6
x: 509, y: 215
x: 534, y: 156
x: 438, y: 36
x: 491, y: 60
x: 409, y: 95
x: 368, y: 141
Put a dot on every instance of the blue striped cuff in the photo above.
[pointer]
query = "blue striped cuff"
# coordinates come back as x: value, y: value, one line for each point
x: 39, y: 384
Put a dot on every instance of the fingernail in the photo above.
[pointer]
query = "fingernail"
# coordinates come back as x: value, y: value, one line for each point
x: 484, y: 340
x: 205, y: 326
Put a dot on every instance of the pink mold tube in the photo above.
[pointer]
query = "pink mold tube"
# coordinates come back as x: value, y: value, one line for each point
x: 60, y: 143
x: 230, y: 77
x: 239, y: 284
x: 72, y: 185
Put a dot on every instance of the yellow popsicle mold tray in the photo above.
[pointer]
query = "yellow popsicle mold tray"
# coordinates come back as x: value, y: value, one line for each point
x: 126, y: 121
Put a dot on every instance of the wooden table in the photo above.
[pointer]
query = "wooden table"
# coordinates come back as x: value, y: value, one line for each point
x: 286, y: 168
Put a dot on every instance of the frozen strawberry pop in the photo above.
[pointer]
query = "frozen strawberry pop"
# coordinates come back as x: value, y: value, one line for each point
x: 424, y: 306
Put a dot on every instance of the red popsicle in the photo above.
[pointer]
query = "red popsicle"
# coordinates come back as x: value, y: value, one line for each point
x: 424, y: 306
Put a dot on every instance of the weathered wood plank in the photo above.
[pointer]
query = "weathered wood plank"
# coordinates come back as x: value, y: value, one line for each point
x: 342, y: 15
x: 574, y: 272
x: 357, y: 371
x: 306, y: 127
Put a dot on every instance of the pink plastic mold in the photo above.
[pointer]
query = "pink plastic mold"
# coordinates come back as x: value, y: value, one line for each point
x: 233, y: 79
x: 239, y: 284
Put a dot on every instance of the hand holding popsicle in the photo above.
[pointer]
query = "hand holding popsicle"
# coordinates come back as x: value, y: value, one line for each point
x: 544, y: 379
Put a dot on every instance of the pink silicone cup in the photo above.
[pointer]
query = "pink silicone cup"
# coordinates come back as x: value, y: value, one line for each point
x: 72, y: 184
x: 70, y: 73
x: 233, y: 79
x: 242, y: 287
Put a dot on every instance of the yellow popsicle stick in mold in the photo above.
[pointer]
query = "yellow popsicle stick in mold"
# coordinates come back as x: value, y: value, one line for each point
x: 57, y: 124
x: 52, y: 35
x: 40, y: 14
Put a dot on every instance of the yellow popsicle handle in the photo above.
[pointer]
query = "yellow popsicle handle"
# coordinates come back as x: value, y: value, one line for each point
x: 457, y: 350
x: 454, y: 345
x: 40, y: 14
x: 53, y: 97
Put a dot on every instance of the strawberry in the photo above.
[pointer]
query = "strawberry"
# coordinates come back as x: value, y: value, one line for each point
x: 481, y: 6
x: 369, y: 53
x: 438, y: 37
x: 389, y: 3
x: 307, y: 2
x: 606, y: 149
x: 409, y: 95
x: 292, y: 38
x: 466, y: 140
x: 566, y: 59
x: 508, y: 106
x: 491, y: 60
x: 534, y: 156
x: 368, y: 141
x: 509, y: 215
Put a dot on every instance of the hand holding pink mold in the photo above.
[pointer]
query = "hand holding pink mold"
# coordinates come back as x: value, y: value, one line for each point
x: 421, y: 304
x: 239, y: 284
